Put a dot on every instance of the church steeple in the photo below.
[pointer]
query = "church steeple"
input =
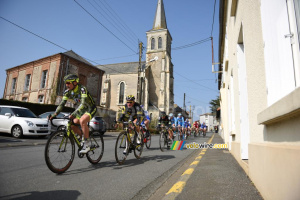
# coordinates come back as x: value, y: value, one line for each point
x: 160, y: 17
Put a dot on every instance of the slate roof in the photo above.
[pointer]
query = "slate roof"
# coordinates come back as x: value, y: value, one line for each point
x: 121, y: 68
x: 74, y: 55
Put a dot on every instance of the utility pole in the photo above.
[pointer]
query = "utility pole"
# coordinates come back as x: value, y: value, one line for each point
x: 139, y: 83
x: 191, y: 113
x: 184, y: 102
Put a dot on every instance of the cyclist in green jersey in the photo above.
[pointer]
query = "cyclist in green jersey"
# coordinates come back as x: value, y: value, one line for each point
x: 85, y: 111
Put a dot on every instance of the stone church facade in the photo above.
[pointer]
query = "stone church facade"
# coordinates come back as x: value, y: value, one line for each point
x: 155, y: 77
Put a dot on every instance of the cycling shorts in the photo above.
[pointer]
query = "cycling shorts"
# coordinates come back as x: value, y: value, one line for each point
x: 91, y: 112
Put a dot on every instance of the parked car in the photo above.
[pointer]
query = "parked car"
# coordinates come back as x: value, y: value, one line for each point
x: 59, y: 122
x: 21, y: 121
x: 97, y: 123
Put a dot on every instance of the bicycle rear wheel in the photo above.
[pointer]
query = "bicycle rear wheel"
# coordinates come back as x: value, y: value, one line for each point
x: 138, y: 144
x: 162, y: 141
x: 121, y: 151
x: 59, y: 152
x: 147, y: 140
x: 97, y: 147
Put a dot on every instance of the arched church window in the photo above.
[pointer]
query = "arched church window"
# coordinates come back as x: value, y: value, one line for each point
x: 159, y: 43
x: 152, y: 43
x: 121, y: 93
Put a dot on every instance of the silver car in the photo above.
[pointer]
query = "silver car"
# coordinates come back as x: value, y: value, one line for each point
x: 59, y: 122
x: 98, y: 124
x: 21, y: 121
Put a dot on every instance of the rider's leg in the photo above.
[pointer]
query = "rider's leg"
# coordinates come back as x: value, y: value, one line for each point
x: 76, y: 129
x: 84, y: 120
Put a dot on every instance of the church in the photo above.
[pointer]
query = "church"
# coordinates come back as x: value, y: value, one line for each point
x: 151, y: 81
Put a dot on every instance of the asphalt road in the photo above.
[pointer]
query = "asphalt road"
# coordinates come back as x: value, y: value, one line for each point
x: 24, y: 174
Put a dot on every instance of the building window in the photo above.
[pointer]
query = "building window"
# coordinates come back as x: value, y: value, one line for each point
x: 152, y: 43
x: 121, y: 93
x: 13, y: 86
x: 159, y: 43
x: 41, y: 99
x: 25, y: 99
x: 27, y: 82
x: 44, y: 79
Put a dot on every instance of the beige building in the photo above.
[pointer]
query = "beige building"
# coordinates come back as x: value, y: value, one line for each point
x: 41, y: 81
x: 155, y: 76
x: 260, y: 94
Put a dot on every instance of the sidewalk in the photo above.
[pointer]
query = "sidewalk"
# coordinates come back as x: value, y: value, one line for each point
x: 217, y: 175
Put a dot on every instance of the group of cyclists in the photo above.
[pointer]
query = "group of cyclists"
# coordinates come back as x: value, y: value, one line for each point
x: 131, y: 112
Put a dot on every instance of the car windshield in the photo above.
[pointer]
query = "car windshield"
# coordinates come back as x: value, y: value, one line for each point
x: 19, y: 112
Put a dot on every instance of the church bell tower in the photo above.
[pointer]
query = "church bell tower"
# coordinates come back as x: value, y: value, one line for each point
x: 159, y: 73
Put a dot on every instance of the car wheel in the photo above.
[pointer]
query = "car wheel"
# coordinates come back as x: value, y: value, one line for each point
x: 17, y: 131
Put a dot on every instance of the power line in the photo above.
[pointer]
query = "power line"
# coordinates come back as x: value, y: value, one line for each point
x: 118, y: 19
x: 118, y: 57
x: 195, y: 82
x: 34, y: 34
x: 192, y: 44
x: 111, y: 21
x: 104, y: 26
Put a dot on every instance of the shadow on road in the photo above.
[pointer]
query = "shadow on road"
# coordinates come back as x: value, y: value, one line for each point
x: 35, y: 195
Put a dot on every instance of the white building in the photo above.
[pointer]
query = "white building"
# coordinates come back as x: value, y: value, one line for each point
x: 210, y: 120
x: 259, y: 90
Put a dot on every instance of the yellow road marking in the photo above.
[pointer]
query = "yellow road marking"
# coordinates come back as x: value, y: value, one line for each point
x: 194, y: 163
x: 177, y: 188
x: 189, y: 171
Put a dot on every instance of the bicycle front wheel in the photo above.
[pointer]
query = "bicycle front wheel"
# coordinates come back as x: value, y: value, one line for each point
x: 121, y: 148
x: 97, y: 147
x: 147, y: 140
x: 59, y: 152
x: 138, y: 144
x: 162, y: 141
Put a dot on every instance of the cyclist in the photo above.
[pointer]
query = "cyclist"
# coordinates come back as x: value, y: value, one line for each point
x: 203, y: 128
x: 146, y: 121
x: 163, y: 119
x: 131, y: 112
x: 179, y: 123
x: 196, y: 127
x: 173, y: 121
x: 187, y: 127
x: 86, y: 108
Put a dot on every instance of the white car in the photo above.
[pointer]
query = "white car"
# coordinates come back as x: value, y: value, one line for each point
x: 21, y: 121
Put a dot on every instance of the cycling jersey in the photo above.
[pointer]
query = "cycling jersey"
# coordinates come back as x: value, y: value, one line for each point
x: 196, y: 125
x: 179, y: 121
x: 147, y: 117
x: 172, y: 120
x: 187, y: 124
x: 203, y: 126
x: 82, y: 100
x: 164, y: 121
x: 135, y: 112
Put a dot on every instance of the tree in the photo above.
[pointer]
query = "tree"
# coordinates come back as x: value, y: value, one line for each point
x: 214, y: 104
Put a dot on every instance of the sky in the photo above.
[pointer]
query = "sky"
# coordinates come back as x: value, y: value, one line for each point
x: 108, y: 31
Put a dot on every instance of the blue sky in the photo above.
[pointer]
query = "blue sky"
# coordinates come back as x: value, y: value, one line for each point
x: 106, y: 41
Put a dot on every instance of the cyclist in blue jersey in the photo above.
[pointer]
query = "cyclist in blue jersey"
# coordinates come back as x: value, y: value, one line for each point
x: 179, y: 123
x: 187, y: 127
x: 203, y: 128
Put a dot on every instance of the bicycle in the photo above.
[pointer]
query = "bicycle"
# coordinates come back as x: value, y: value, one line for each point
x: 60, y: 148
x: 164, y: 140
x: 125, y: 144
x: 180, y: 133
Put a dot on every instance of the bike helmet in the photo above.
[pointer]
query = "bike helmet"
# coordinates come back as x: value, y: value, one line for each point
x: 171, y: 115
x: 130, y: 98
x: 179, y: 114
x: 71, y: 78
x: 163, y: 114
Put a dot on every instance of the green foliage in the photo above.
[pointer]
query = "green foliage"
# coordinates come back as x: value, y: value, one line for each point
x: 214, y: 104
x: 36, y: 108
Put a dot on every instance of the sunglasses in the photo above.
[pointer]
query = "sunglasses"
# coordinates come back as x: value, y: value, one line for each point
x: 68, y: 83
x: 129, y: 102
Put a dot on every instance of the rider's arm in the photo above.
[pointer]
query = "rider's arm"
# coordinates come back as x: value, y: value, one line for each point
x: 122, y: 114
x: 82, y: 105
x: 139, y: 113
x: 62, y: 103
